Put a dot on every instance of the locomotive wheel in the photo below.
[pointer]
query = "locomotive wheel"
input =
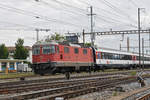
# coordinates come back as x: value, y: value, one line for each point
x: 42, y: 74
x: 63, y: 71
x: 53, y: 73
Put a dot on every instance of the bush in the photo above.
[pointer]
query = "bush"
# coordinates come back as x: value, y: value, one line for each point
x: 133, y: 73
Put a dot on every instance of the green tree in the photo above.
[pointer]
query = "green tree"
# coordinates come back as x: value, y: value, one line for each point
x: 3, y: 52
x: 88, y: 44
x: 56, y: 37
x: 20, y: 52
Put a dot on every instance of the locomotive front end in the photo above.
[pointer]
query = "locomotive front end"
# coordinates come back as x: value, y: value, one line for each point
x: 43, y: 55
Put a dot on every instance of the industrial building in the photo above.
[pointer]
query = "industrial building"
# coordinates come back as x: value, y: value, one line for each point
x: 12, y: 65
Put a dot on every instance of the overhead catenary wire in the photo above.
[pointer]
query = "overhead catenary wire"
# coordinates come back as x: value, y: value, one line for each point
x: 29, y: 13
x: 16, y: 24
x: 101, y: 17
x: 104, y: 10
x: 105, y: 18
x: 70, y: 6
x: 76, y: 11
x: 117, y: 10
x: 111, y: 20
x: 134, y: 3
x: 35, y: 15
x: 39, y: 16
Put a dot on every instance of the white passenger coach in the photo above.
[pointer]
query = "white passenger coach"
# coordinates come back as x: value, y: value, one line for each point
x: 109, y: 58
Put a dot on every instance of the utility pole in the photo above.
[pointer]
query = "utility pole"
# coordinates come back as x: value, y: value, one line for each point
x: 92, y: 34
x: 139, y: 32
x: 149, y: 37
x: 143, y: 51
x: 139, y: 37
x: 120, y: 46
x: 128, y: 44
x: 37, y: 33
x: 83, y: 37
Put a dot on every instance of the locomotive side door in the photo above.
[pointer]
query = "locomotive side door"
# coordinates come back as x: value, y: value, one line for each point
x: 76, y: 53
x: 60, y: 52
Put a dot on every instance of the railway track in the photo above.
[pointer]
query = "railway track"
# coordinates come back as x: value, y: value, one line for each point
x: 45, y: 85
x: 72, y: 94
x: 71, y: 90
x: 48, y: 89
x: 7, y: 84
x: 142, y: 95
x: 62, y: 78
x: 145, y: 97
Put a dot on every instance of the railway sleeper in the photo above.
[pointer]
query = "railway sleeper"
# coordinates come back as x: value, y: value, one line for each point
x: 26, y: 89
x: 36, y: 94
x: 28, y: 96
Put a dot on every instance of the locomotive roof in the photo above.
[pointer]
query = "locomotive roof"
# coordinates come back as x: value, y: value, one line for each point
x: 45, y: 43
x: 56, y: 43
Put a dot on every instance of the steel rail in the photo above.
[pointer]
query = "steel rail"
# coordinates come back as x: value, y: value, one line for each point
x: 46, y: 85
x: 36, y: 94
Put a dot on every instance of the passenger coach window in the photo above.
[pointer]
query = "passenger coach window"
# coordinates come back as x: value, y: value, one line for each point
x: 98, y: 56
x: 66, y: 50
x: 76, y: 50
x: 85, y: 51
x: 103, y: 56
x: 36, y: 50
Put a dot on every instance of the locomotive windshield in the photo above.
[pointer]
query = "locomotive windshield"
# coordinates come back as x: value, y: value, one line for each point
x: 48, y: 49
x: 36, y: 50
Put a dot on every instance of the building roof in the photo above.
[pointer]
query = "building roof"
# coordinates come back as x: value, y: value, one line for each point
x: 11, y: 60
x: 12, y: 48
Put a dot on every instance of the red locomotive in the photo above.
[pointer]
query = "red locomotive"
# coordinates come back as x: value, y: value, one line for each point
x: 55, y: 57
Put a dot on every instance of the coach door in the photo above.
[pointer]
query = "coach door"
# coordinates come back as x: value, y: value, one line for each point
x: 134, y: 59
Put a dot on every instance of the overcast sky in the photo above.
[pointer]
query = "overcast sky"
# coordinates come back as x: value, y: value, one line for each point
x: 20, y: 18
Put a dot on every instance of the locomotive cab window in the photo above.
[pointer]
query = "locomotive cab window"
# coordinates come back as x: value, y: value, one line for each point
x: 85, y: 51
x: 76, y: 50
x: 66, y: 50
x: 57, y: 48
x: 46, y: 49
x: 52, y: 49
x: 36, y: 50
